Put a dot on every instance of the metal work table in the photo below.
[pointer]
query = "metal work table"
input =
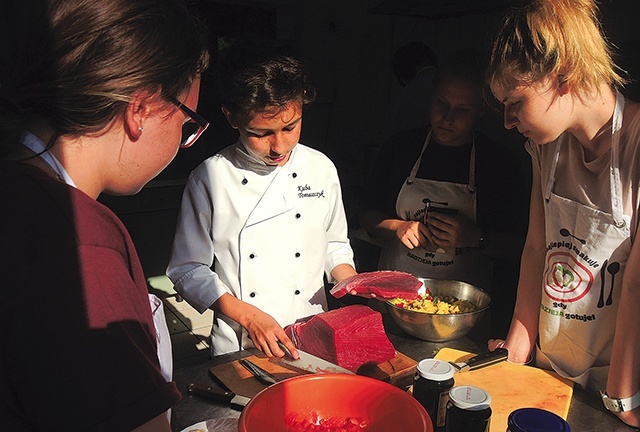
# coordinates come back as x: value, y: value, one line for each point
x: 586, y: 413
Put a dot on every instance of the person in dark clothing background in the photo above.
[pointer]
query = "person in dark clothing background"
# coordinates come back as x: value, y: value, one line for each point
x: 449, y: 202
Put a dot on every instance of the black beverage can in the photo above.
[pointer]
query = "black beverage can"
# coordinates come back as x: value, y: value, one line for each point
x: 468, y: 410
x: 431, y: 385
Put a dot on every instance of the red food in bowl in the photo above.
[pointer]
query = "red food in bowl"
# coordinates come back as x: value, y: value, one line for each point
x: 333, y: 398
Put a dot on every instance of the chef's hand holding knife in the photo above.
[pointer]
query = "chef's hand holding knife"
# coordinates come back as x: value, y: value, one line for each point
x: 264, y: 330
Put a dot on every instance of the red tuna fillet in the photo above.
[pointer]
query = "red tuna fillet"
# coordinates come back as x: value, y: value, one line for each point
x: 385, y: 284
x: 350, y: 337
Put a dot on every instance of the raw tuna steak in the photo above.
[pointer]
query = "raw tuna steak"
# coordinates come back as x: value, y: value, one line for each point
x: 350, y: 337
x: 385, y: 284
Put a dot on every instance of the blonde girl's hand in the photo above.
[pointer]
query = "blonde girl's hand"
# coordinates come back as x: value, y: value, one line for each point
x: 515, y: 356
x: 493, y: 344
x: 632, y: 418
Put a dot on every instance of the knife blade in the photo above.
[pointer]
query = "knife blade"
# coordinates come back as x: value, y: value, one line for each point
x: 217, y: 394
x: 258, y: 372
x: 481, y: 360
x: 309, y: 363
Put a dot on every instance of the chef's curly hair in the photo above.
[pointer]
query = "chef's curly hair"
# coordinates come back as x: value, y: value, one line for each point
x: 561, y: 37
x: 254, y: 76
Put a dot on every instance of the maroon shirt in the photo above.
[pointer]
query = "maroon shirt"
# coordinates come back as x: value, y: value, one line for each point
x: 78, y: 346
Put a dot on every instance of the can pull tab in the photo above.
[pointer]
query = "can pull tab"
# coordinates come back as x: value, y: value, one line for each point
x: 427, y: 203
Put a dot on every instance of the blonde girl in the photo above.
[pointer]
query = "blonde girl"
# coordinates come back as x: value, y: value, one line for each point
x: 579, y: 288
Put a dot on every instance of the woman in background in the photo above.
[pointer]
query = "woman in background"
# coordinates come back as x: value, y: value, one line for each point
x: 262, y: 222
x: 99, y: 106
x: 579, y: 289
x: 449, y: 202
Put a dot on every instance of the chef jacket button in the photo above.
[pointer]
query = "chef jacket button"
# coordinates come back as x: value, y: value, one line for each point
x: 252, y: 256
x: 297, y: 292
x: 252, y: 295
x: 245, y: 181
x: 297, y: 215
x: 294, y: 175
x: 297, y: 254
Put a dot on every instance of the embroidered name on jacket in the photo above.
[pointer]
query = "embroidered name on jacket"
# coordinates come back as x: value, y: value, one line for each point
x: 306, y: 192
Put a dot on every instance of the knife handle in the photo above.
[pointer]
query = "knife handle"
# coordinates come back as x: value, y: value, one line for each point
x: 488, y: 358
x: 211, y: 392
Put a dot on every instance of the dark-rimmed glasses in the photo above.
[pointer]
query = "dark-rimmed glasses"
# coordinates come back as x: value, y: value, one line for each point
x: 193, y: 126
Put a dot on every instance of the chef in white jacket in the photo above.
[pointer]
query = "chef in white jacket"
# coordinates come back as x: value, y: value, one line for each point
x: 262, y: 221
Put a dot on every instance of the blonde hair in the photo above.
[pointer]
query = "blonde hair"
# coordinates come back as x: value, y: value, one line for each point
x: 561, y: 37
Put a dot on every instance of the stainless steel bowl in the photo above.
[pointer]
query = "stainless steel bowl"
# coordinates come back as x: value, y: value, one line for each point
x: 442, y: 328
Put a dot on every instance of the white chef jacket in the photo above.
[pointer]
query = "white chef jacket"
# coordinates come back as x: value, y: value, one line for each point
x: 266, y: 235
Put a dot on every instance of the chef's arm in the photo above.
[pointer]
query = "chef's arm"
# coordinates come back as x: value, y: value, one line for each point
x: 264, y: 330
x: 624, y: 371
x: 343, y: 271
x: 524, y: 325
x: 411, y: 233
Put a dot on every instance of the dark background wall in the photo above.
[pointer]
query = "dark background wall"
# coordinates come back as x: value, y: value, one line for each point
x: 348, y: 45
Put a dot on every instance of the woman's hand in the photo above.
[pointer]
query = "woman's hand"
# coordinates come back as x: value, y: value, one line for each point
x: 632, y: 418
x: 494, y: 344
x: 412, y: 234
x: 451, y: 231
x: 518, y: 355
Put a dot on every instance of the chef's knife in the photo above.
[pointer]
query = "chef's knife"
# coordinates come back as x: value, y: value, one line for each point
x: 258, y: 372
x: 482, y: 360
x: 310, y: 363
x: 217, y: 394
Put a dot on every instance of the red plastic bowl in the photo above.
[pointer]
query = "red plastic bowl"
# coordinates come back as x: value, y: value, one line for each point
x: 382, y: 406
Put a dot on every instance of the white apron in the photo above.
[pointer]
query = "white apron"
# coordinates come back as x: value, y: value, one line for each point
x: 464, y: 264
x: 587, y: 251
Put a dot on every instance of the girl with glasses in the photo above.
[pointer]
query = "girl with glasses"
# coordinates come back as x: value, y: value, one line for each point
x: 97, y: 105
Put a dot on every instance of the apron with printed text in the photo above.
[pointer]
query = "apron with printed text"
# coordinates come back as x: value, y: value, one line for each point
x: 587, y: 251
x: 464, y: 264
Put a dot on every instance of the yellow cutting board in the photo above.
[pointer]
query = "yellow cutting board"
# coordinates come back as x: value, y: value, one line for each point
x: 513, y: 386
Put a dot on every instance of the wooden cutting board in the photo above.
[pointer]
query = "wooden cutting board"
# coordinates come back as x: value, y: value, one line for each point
x: 398, y: 371
x: 513, y: 386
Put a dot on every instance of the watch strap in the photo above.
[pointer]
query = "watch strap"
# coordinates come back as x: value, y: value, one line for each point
x: 620, y: 404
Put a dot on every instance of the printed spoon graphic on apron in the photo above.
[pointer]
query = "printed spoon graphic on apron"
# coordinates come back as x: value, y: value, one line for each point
x: 565, y: 233
x: 613, y: 268
x: 603, y: 270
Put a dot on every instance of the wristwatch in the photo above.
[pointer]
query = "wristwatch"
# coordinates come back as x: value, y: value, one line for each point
x: 619, y: 405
